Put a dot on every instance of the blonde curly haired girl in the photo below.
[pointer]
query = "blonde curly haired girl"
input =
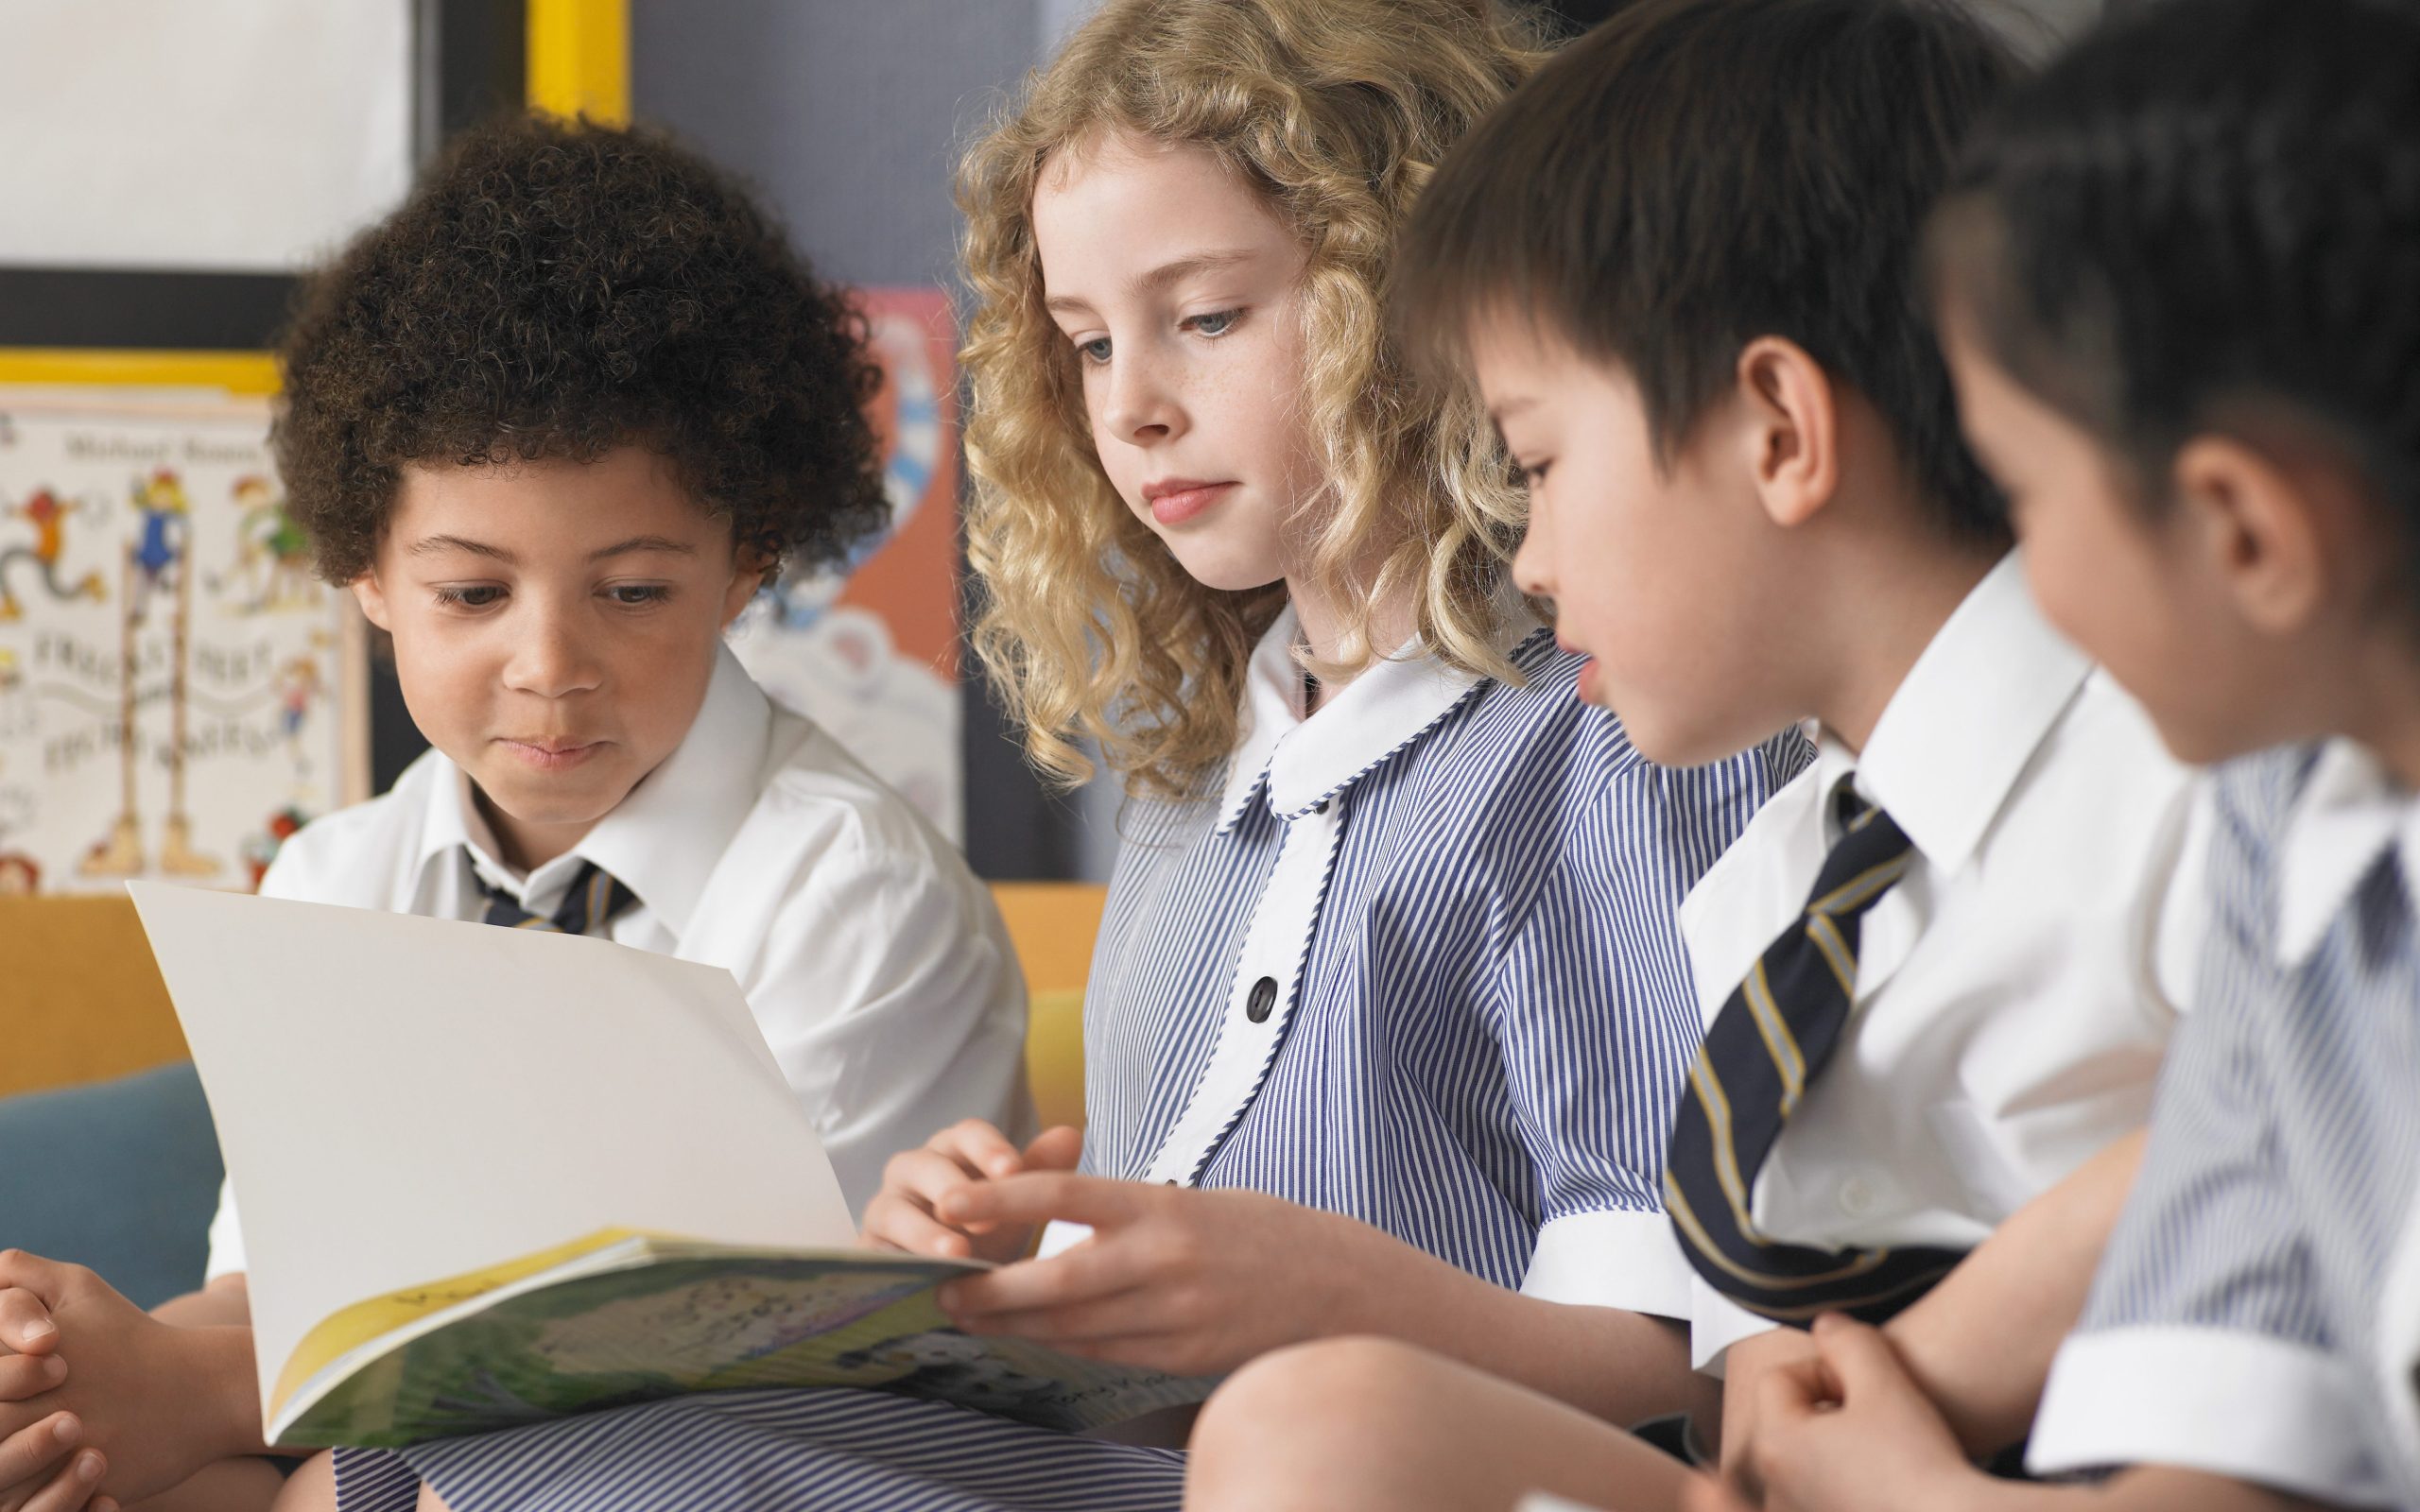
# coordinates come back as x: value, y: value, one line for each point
x: 1333, y: 114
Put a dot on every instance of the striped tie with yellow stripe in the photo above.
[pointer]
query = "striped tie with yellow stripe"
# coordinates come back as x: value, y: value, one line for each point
x: 589, y: 903
x: 1773, y: 1036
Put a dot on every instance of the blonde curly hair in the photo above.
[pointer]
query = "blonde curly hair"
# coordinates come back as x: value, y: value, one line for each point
x: 1336, y: 112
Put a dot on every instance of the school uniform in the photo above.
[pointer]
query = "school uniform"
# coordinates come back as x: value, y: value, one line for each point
x: 2249, y: 1318
x: 874, y: 961
x: 1412, y: 960
x: 2013, y: 982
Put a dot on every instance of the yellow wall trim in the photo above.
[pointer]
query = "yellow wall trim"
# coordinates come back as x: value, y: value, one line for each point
x: 579, y: 58
x: 237, y: 373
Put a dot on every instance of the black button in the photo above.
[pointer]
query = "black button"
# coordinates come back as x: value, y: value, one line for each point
x: 1264, y: 997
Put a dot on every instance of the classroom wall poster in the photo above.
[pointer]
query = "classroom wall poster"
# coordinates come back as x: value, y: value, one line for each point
x: 871, y: 653
x: 178, y: 692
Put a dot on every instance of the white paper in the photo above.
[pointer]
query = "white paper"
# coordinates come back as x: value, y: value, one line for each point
x: 403, y: 1099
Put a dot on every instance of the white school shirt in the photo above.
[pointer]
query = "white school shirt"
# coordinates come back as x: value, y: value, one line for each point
x: 2016, y: 990
x: 875, y: 962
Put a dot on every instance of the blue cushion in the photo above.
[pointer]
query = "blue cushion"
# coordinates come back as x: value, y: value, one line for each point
x: 121, y: 1176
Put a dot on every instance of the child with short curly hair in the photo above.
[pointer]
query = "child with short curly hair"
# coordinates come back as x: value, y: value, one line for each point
x: 554, y: 421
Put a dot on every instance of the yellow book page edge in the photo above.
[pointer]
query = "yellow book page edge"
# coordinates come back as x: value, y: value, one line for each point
x: 344, y: 1331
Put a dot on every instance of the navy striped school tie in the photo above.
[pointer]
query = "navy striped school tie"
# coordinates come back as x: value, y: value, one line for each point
x: 1773, y: 1036
x: 589, y: 903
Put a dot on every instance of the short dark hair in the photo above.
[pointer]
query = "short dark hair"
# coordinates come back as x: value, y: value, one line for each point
x: 2206, y: 207
x: 1695, y: 173
x: 557, y: 290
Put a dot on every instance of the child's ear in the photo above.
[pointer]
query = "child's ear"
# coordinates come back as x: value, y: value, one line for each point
x: 1792, y: 429
x: 751, y: 570
x: 373, y: 600
x: 2261, y: 529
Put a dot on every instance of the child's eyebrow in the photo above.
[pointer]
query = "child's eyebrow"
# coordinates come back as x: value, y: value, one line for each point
x: 431, y: 546
x: 639, y: 543
x: 1160, y: 277
x: 1184, y: 267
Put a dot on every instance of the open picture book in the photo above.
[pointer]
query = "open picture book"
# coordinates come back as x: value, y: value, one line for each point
x: 490, y: 1176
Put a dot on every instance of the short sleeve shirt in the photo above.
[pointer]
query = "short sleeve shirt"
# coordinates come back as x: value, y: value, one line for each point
x: 2235, y: 1325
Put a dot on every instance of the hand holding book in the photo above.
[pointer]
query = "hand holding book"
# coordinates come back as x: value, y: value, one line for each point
x: 904, y: 1214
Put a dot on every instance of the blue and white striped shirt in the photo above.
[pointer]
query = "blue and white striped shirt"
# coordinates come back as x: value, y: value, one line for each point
x: 1416, y: 962
x: 2234, y: 1325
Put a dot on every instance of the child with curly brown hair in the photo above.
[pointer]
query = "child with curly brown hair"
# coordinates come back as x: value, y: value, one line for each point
x: 554, y: 421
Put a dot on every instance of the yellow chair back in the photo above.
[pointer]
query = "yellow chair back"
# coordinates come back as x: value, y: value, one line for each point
x: 80, y: 999
x: 1054, y: 925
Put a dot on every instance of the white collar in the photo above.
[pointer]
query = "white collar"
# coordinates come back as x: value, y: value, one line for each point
x: 2348, y: 816
x: 1967, y: 719
x: 1305, y: 761
x: 663, y: 838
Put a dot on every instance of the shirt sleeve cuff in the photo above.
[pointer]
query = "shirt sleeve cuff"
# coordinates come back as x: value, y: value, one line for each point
x: 1717, y: 1323
x: 1625, y: 1260
x: 2233, y: 1403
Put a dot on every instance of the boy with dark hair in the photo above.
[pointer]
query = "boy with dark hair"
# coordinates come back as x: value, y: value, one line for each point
x: 1939, y: 968
x: 2180, y: 285
x: 554, y: 421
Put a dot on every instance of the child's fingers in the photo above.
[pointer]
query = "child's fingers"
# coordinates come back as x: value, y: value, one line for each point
x: 24, y: 1322
x: 72, y: 1489
x: 26, y: 1376
x: 1039, y: 1196
x: 33, y: 1450
x: 1859, y: 1358
x: 1086, y: 1273
x: 980, y: 1148
x: 894, y: 1222
x: 923, y: 1178
x: 1785, y: 1397
x: 1055, y: 1149
x: 925, y: 1174
x: 47, y: 1278
x: 42, y: 1465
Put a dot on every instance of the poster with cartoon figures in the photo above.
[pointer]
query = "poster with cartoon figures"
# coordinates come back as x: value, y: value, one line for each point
x: 872, y: 653
x: 178, y: 692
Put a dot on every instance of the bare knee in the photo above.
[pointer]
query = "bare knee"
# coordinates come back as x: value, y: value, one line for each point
x: 312, y: 1488
x: 1322, y: 1425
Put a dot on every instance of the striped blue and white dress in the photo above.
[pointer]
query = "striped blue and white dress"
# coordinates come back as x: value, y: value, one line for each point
x: 1414, y: 961
x: 2250, y: 1318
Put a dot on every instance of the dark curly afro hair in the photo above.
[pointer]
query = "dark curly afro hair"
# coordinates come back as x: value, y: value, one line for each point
x: 557, y: 289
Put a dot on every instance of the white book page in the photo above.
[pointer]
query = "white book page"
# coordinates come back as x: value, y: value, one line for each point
x: 403, y: 1099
